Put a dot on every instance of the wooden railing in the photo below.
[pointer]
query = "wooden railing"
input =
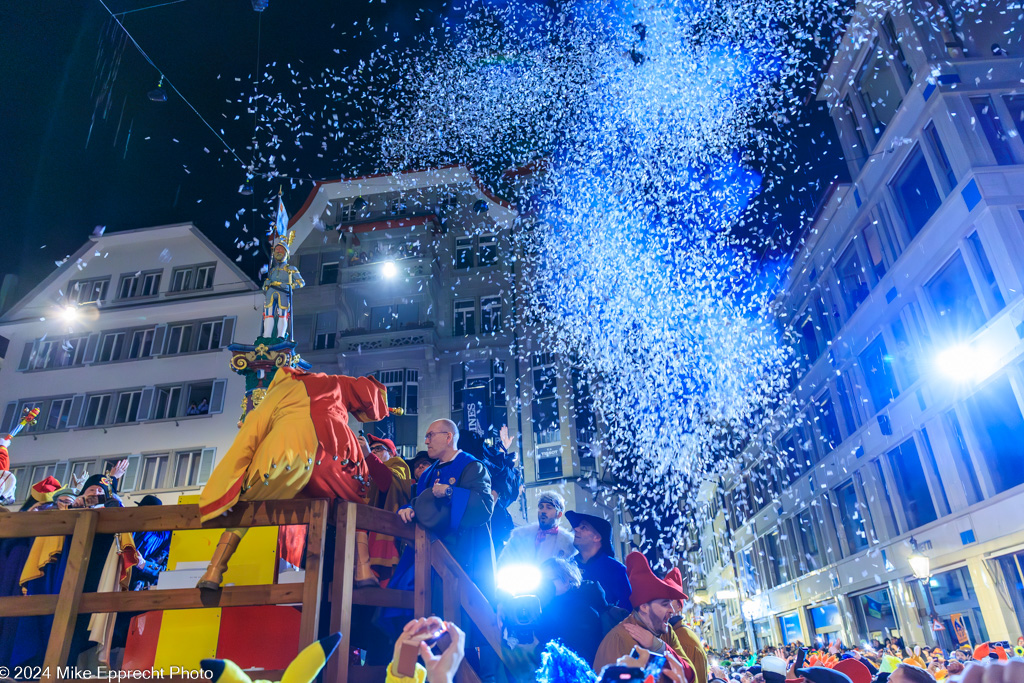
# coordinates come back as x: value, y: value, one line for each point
x: 460, y: 594
x: 83, y: 525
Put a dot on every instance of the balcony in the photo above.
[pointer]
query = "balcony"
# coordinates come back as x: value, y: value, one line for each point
x: 361, y: 339
x: 374, y: 272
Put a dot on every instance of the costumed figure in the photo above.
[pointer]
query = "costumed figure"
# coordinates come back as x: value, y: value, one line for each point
x: 281, y: 281
x: 303, y: 669
x: 8, y: 482
x: 544, y: 539
x: 592, y: 537
x: 688, y: 638
x: 506, y: 479
x: 390, y: 489
x: 297, y: 441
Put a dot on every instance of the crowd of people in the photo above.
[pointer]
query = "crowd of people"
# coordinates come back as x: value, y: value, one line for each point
x: 588, y: 616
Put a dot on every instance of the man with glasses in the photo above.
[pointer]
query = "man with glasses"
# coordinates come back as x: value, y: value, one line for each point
x: 453, y: 500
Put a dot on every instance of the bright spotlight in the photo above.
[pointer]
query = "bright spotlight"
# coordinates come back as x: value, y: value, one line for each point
x: 518, y: 579
x: 963, y: 363
x: 389, y: 269
x: 70, y: 314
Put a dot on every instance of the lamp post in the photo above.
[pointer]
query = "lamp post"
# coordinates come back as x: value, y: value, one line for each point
x: 921, y: 566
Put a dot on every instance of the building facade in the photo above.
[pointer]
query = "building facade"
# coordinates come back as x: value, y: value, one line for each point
x: 905, y: 299
x: 122, y: 348
x: 413, y: 278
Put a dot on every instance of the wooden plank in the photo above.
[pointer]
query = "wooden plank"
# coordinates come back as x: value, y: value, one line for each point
x: 473, y: 601
x: 66, y: 611
x: 382, y: 521
x: 452, y: 598
x: 379, y: 597
x: 28, y: 605
x: 46, y: 523
x: 311, y: 586
x: 421, y: 575
x: 144, y: 601
x: 341, y: 589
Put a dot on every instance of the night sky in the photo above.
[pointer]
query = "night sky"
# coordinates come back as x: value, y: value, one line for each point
x: 70, y: 163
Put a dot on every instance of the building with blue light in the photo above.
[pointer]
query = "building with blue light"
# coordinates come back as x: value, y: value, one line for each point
x: 905, y: 303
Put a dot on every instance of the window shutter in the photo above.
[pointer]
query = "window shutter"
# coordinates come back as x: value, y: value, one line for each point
x: 158, y: 339
x: 301, y: 327
x: 227, y: 335
x: 60, y: 473
x: 145, y: 403
x: 131, y: 476
x: 9, y: 413
x: 75, y: 416
x: 217, y: 396
x: 206, y: 465
x: 327, y: 322
x: 26, y: 355
x: 90, y: 348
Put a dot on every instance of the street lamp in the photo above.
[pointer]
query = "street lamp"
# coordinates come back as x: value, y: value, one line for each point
x: 70, y: 313
x: 921, y: 566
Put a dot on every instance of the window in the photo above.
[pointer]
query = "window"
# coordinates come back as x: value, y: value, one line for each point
x: 465, y: 318
x: 997, y: 301
x: 88, y: 291
x: 545, y: 420
x: 398, y: 206
x: 904, y: 356
x: 209, y: 335
x: 956, y: 303
x: 80, y: 469
x: 408, y: 315
x: 127, y: 407
x: 382, y: 317
x: 877, y: 366
x: 850, y: 517
x: 853, y: 283
x: 168, y: 402
x: 999, y: 428
x: 879, y: 92
x: 326, y: 330
x: 915, y: 192
x: 912, y: 485
x: 998, y: 140
x: 828, y: 425
x: 860, y: 148
x: 139, y: 285
x: 111, y: 346
x: 966, y: 473
x: 154, y: 470
x: 876, y: 256
x: 403, y: 389
x: 142, y: 343
x: 204, y: 276
x: 809, y: 341
x: 934, y: 142
x: 490, y: 314
x: 40, y: 472
x: 807, y: 530
x: 850, y: 414
x: 488, y: 250
x: 57, y: 353
x: 1015, y: 103
x: 186, y: 468
x: 96, y: 410
x: 463, y: 252
x: 906, y: 73
x: 200, y: 396
x: 179, y: 339
x: 60, y: 409
x: 193, y: 277
x: 329, y: 272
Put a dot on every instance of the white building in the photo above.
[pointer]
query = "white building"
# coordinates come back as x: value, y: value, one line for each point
x: 151, y: 311
x: 906, y: 299
x: 412, y: 277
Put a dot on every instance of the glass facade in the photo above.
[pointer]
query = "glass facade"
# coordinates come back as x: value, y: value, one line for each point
x: 875, y: 616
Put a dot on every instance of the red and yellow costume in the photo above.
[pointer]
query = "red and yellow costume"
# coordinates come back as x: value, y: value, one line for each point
x: 297, y: 441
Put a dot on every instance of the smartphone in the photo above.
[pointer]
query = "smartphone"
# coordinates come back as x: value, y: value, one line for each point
x: 654, y: 665
x: 612, y: 674
x: 101, y: 498
x: 410, y: 652
x: 801, y: 654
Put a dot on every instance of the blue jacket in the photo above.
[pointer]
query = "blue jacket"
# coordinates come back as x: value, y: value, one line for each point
x: 610, y: 574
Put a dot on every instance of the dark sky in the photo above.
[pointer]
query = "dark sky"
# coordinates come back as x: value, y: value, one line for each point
x: 56, y: 59
x: 69, y: 163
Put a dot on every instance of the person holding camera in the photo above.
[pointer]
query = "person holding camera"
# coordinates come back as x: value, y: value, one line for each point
x: 647, y: 626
